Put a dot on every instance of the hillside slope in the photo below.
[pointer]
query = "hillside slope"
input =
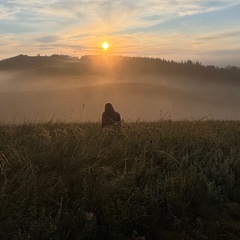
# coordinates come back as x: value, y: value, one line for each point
x: 134, y: 100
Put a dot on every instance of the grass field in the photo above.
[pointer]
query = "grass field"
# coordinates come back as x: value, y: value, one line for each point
x: 147, y: 180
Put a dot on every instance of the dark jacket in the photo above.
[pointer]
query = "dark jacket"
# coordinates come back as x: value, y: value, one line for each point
x: 110, y: 119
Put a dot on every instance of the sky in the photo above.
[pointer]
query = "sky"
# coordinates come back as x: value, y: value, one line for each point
x: 178, y: 30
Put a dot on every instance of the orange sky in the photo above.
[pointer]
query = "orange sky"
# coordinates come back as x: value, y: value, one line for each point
x: 205, y: 31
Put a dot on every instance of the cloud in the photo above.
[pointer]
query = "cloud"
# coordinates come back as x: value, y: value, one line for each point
x: 121, y: 14
x: 47, y: 39
x: 220, y: 35
x: 222, y: 52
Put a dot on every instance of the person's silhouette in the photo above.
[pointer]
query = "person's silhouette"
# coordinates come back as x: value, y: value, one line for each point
x: 110, y: 116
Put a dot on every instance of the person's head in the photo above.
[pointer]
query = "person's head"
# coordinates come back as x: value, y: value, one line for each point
x: 109, y: 108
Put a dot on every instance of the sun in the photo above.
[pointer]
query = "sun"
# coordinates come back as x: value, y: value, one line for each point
x: 105, y: 46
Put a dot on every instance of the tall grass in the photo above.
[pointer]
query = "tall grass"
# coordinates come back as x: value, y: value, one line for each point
x: 158, y: 180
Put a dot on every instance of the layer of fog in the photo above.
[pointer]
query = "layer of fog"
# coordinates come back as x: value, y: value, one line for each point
x: 29, y: 97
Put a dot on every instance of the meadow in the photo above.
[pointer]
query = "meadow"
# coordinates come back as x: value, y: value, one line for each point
x: 147, y: 180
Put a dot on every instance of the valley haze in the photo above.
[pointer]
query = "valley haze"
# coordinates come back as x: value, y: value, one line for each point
x: 64, y: 88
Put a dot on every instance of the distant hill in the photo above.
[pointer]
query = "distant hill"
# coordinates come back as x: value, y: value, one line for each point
x: 118, y: 66
x: 55, y: 65
x: 24, y: 62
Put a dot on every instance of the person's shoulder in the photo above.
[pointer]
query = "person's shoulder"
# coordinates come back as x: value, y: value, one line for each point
x: 118, y: 117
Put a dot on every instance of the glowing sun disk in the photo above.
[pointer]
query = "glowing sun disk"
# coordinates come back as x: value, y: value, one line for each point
x: 105, y: 45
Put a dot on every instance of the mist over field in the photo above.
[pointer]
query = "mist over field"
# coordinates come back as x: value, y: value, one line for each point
x: 77, y: 90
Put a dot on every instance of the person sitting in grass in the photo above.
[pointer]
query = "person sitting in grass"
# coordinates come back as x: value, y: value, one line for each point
x: 110, y: 117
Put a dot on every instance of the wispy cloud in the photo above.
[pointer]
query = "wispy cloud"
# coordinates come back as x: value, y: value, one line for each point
x: 47, y: 39
x: 221, y: 35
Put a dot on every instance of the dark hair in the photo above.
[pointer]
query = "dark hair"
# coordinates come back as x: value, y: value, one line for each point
x: 109, y: 109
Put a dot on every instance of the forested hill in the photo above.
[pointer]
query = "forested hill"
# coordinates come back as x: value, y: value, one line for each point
x: 145, y: 65
x: 119, y: 65
x: 24, y: 62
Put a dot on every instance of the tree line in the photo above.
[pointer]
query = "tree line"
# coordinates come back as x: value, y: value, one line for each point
x: 123, y: 65
x: 146, y: 65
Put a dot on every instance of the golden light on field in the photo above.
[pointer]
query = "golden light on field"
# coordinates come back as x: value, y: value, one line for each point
x: 105, y: 46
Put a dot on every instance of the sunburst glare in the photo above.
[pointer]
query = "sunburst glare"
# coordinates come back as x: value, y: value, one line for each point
x: 105, y: 46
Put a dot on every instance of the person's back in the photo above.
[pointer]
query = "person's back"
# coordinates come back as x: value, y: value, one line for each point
x: 110, y: 116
